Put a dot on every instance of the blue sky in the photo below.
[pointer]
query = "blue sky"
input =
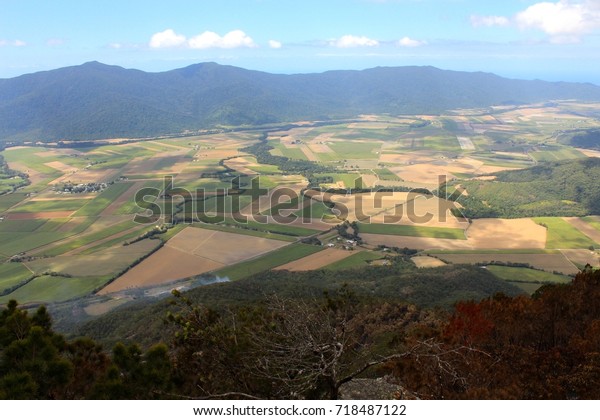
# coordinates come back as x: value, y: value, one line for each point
x: 551, y: 40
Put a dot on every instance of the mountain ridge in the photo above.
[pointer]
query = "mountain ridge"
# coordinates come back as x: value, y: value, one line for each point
x: 96, y: 100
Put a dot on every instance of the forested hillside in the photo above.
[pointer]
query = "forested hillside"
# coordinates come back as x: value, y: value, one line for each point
x: 549, y: 189
x: 540, y: 347
x: 94, y: 100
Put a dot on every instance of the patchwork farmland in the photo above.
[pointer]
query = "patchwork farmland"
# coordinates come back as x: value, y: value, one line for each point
x: 152, y: 213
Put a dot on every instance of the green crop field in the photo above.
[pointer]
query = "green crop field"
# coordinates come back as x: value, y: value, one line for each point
x: 272, y: 227
x: 80, y: 241
x: 9, y: 200
x: 49, y: 205
x: 359, y: 259
x: 55, y: 289
x: 556, y: 153
x: 274, y: 259
x: 247, y: 232
x: 103, y: 200
x: 409, y: 230
x: 355, y: 150
x: 11, y: 274
x: 562, y: 235
x: 525, y: 274
x: 593, y: 221
x: 27, y: 225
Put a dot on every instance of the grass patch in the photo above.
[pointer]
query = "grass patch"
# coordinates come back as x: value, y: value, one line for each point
x: 88, y: 239
x: 528, y: 275
x: 11, y: 274
x: 248, y: 232
x: 355, y: 149
x: 9, y: 200
x: 50, y: 205
x: 562, y: 235
x: 556, y: 153
x: 593, y: 221
x: 359, y: 259
x: 274, y: 259
x: 28, y: 225
x: 55, y: 289
x: 409, y: 230
x: 103, y: 200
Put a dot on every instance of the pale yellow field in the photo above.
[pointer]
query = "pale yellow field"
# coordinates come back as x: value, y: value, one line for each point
x: 424, y: 261
x: 506, y: 234
x: 317, y: 260
x: 393, y: 207
x: 481, y: 234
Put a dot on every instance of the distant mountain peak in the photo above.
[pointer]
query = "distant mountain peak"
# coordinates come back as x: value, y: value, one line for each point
x: 96, y: 100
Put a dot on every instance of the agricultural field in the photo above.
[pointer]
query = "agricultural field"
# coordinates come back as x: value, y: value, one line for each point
x: 160, y: 215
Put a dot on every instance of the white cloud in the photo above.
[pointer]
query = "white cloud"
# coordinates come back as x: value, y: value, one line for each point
x: 275, y: 44
x: 167, y: 39
x: 563, y: 20
x: 350, y: 41
x: 409, y: 42
x: 205, y: 40
x: 233, y: 39
x: 15, y: 43
x: 478, y: 21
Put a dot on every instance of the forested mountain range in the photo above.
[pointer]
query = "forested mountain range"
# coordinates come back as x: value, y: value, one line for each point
x: 94, y: 100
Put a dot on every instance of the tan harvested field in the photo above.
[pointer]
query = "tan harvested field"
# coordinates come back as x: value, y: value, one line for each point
x: 88, y: 175
x: 241, y: 165
x: 414, y: 242
x: 590, y: 153
x: 424, y: 261
x: 100, y: 308
x: 222, y: 247
x: 584, y: 228
x: 582, y: 256
x: 481, y: 234
x: 369, y: 180
x: 546, y: 262
x: 317, y: 260
x: 430, y: 172
x: 215, y: 153
x: 309, y: 153
x: 39, y: 215
x: 394, y: 207
x: 34, y: 176
x: 289, y: 142
x: 164, y: 266
x: 191, y: 252
x: 506, y: 234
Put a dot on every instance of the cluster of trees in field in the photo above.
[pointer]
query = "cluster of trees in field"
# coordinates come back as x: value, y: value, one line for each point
x: 549, y: 189
x: 11, y: 180
x: 261, y: 151
x: 586, y: 139
x: 502, y: 347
